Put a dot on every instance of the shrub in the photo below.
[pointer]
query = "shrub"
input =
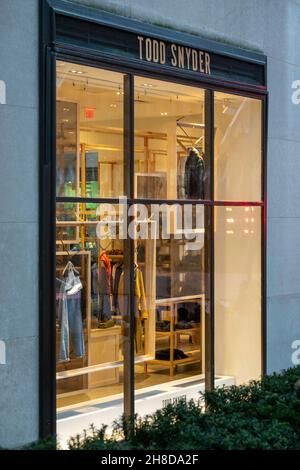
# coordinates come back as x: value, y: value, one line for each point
x: 264, y: 414
x: 43, y: 444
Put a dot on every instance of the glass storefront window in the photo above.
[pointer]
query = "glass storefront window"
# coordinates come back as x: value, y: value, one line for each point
x: 170, y: 160
x: 238, y: 148
x: 91, y: 332
x: 238, y: 298
x: 171, y: 252
x: 169, y: 265
x: 89, y: 132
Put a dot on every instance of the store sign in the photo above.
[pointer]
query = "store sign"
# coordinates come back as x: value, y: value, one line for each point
x: 174, y: 55
x: 2, y: 92
x: 139, y: 49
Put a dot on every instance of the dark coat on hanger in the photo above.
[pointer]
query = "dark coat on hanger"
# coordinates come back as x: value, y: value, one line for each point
x: 101, y: 294
x: 194, y: 176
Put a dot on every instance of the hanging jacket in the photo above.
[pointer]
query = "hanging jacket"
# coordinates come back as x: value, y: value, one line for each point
x: 140, y: 295
x: 104, y: 295
x: 141, y: 311
x: 105, y: 259
x: 194, y: 175
x: 117, y: 270
x: 101, y: 289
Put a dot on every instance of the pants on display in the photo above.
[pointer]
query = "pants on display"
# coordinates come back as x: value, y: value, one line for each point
x: 71, y: 327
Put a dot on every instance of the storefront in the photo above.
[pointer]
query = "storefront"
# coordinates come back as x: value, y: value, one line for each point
x: 152, y: 213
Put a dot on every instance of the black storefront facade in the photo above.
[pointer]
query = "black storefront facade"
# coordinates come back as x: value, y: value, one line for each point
x: 122, y: 105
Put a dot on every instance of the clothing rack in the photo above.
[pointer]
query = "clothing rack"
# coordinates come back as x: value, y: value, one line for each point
x: 95, y: 336
x: 68, y: 368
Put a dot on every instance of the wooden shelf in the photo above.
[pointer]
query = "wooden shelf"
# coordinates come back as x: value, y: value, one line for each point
x: 181, y: 331
x: 171, y: 304
x: 176, y: 361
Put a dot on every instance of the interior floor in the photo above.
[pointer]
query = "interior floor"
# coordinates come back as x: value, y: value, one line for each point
x: 156, y: 375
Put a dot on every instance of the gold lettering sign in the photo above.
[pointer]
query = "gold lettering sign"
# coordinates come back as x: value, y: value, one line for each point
x: 183, y: 57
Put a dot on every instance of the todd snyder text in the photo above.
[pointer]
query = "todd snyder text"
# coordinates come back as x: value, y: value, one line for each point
x: 160, y: 52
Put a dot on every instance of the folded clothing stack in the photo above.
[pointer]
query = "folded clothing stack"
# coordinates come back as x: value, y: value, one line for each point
x: 163, y: 325
x: 184, y: 325
x: 165, y: 354
x: 181, y: 325
x: 106, y: 324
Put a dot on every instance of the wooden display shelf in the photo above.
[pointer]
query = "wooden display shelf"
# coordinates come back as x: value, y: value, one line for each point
x: 177, y: 330
x: 171, y: 305
x: 185, y: 360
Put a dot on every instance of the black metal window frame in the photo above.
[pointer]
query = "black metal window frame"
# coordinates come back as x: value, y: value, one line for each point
x: 52, y: 50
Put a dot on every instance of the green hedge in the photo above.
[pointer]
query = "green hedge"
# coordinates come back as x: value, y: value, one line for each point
x: 262, y: 415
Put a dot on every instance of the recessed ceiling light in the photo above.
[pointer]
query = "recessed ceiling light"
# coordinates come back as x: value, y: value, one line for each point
x: 78, y: 72
x: 113, y: 105
x: 164, y: 114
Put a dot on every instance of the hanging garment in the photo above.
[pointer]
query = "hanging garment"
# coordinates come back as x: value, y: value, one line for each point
x: 104, y: 295
x: 106, y: 261
x: 141, y: 311
x: 117, y: 270
x: 94, y: 279
x: 101, y: 289
x: 70, y: 318
x: 194, y: 175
